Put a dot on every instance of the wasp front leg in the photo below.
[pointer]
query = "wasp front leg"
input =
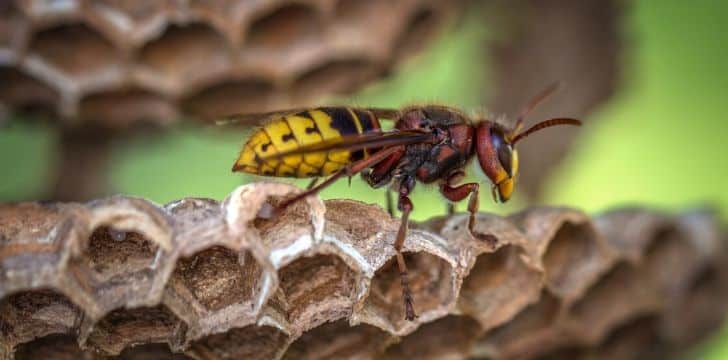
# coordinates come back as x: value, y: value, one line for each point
x: 457, y: 193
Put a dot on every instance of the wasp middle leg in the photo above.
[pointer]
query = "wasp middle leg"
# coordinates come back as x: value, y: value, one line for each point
x: 457, y: 193
x: 404, y: 204
x: 390, y: 202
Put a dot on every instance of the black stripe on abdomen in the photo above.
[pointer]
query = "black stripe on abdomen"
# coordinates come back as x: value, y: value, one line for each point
x: 367, y: 121
x: 343, y: 121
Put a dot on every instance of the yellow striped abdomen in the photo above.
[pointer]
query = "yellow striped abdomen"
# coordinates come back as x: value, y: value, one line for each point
x: 305, y: 128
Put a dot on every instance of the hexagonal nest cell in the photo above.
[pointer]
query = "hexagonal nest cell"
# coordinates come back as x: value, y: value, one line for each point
x: 124, y: 328
x: 531, y: 330
x: 116, y: 265
x: 430, y: 279
x: 622, y: 293
x: 419, y: 29
x: 219, y: 277
x: 316, y: 288
x: 669, y: 258
x: 451, y: 337
x: 250, y: 342
x: 339, y: 340
x: 285, y: 28
x: 186, y: 55
x: 57, y: 346
x: 76, y: 50
x: 36, y: 314
x: 335, y: 77
x: 126, y: 107
x: 151, y: 352
x: 498, y: 286
x: 26, y: 93
x: 574, y: 256
x: 231, y: 97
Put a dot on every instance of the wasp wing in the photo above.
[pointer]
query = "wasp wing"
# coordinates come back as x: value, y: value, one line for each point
x: 360, y: 142
x: 254, y: 119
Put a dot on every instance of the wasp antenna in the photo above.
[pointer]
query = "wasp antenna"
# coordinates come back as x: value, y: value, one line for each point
x: 545, y: 124
x: 534, y: 102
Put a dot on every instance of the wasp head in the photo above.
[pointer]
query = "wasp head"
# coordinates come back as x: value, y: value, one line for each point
x: 497, y: 155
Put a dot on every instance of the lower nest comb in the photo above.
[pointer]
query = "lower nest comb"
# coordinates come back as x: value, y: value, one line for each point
x: 198, y: 278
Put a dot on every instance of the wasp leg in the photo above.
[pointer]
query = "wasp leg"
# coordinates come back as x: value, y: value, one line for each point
x: 459, y: 193
x: 390, y: 202
x: 313, y: 183
x: 450, y: 208
x: 350, y: 170
x: 405, y: 206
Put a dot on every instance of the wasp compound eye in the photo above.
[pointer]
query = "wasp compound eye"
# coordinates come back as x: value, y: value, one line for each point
x: 503, y: 150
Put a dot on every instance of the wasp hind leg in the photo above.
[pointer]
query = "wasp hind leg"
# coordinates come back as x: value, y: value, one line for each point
x: 450, y: 208
x: 350, y: 170
x: 313, y: 183
x: 404, y: 204
x: 460, y: 192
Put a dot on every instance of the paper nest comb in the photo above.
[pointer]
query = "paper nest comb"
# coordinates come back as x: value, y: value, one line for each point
x: 116, y: 63
x: 123, y: 276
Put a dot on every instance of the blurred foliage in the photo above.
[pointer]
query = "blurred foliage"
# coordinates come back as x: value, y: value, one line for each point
x: 659, y: 142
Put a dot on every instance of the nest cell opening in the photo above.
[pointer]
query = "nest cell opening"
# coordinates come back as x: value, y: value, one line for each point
x: 419, y: 29
x: 335, y: 77
x: 637, y: 338
x: 700, y: 310
x: 11, y: 24
x: 151, y: 352
x: 75, y: 49
x: 620, y: 294
x: 451, y: 337
x: 219, y: 277
x: 311, y: 283
x: 188, y: 53
x: 499, y: 285
x: 231, y: 97
x: 27, y: 94
x: 34, y: 314
x: 338, y: 340
x: 360, y: 220
x: 56, y: 346
x: 250, y: 342
x: 533, y: 320
x: 668, y: 258
x: 430, y: 279
x: 271, y: 228
x: 285, y: 29
x: 122, y: 328
x: 573, y: 255
x: 126, y: 107
x: 113, y: 254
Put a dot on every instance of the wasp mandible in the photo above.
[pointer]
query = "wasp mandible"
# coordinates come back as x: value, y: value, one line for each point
x: 431, y: 144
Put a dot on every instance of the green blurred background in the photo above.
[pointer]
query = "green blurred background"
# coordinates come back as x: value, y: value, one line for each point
x: 659, y: 142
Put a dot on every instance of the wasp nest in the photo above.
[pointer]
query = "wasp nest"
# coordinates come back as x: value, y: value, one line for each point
x: 197, y: 278
x: 114, y: 63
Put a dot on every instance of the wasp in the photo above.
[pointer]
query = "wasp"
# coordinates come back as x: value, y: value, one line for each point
x: 430, y: 144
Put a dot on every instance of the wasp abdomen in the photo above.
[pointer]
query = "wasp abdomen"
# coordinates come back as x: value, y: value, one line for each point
x: 308, y: 127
